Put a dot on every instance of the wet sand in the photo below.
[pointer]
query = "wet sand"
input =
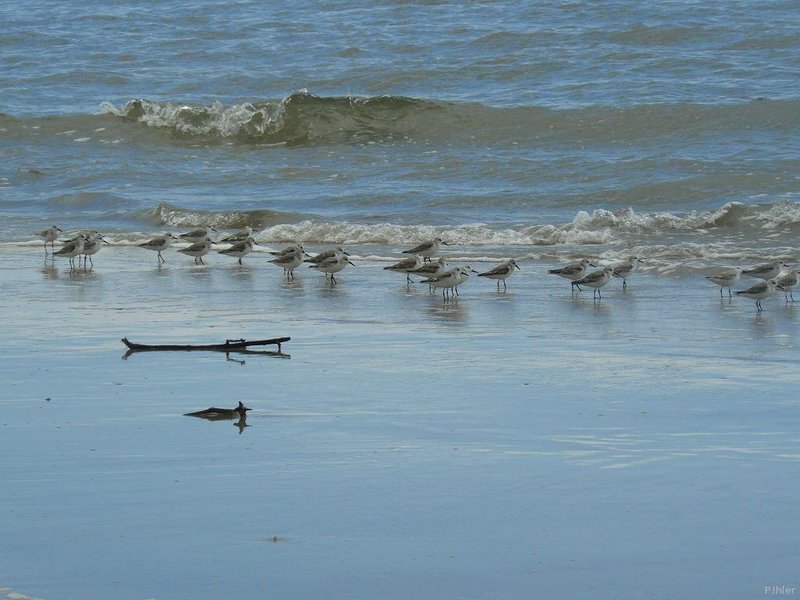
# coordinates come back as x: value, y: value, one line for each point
x: 517, y: 445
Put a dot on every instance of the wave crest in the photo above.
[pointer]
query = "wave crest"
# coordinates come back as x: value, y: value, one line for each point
x: 601, y: 226
x: 166, y: 215
x: 299, y: 119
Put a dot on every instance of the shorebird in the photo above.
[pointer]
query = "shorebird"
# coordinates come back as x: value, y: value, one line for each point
x: 239, y: 249
x: 406, y: 266
x: 787, y: 282
x: 501, y: 272
x: 465, y: 271
x: 326, y: 254
x: 94, y: 241
x: 431, y: 270
x: 448, y: 280
x: 427, y: 249
x: 239, y: 236
x: 725, y: 279
x: 49, y: 235
x: 573, y: 271
x: 198, y: 250
x: 197, y: 235
x: 332, y: 265
x: 596, y: 280
x: 159, y: 244
x: 760, y: 291
x: 72, y: 248
x: 289, y: 262
x: 625, y: 269
x: 765, y: 271
x: 288, y: 250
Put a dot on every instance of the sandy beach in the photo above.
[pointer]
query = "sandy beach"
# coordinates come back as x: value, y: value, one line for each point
x: 517, y: 445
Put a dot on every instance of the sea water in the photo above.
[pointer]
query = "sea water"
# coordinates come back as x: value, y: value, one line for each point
x: 668, y: 129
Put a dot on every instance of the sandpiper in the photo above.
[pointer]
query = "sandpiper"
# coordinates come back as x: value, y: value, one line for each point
x: 427, y: 249
x: 240, y: 249
x: 406, y: 266
x: 596, y: 280
x: 159, y: 244
x: 501, y: 272
x: 573, y: 271
x: 725, y: 278
x: 49, y: 235
x: 759, y: 292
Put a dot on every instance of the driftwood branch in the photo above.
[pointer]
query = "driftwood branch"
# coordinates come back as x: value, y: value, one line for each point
x: 240, y: 345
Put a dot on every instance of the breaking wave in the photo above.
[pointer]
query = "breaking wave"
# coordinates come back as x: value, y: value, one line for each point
x: 302, y: 118
x: 599, y: 227
x: 167, y: 215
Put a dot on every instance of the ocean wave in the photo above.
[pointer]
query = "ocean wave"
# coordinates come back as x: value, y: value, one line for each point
x: 670, y: 243
x: 598, y: 227
x: 167, y: 215
x: 304, y: 119
x: 300, y: 118
x: 601, y: 226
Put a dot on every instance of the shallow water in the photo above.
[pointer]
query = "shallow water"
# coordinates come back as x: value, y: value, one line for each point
x: 503, y: 442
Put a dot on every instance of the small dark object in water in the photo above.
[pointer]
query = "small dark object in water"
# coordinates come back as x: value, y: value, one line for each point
x: 221, y: 414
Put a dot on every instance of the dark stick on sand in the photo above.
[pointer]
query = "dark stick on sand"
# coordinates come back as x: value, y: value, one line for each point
x: 228, y: 346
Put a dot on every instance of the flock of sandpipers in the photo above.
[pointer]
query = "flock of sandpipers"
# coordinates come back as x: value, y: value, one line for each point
x: 775, y: 277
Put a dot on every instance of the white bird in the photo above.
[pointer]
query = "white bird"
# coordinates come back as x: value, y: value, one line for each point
x: 725, y: 279
x: 159, y: 244
x: 197, y: 235
x: 240, y: 249
x: 406, y: 266
x: 49, y: 235
x: 465, y: 271
x: 765, y: 271
x: 198, y: 250
x: 625, y: 269
x: 289, y: 262
x: 760, y: 291
x: 91, y: 246
x: 501, y: 272
x: 332, y: 265
x: 787, y: 282
x: 448, y: 280
x: 596, y: 280
x: 72, y: 248
x: 573, y: 271
x: 427, y: 249
x: 239, y: 236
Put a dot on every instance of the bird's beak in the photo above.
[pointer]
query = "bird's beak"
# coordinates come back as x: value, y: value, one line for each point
x: 445, y: 243
x: 516, y: 265
x: 351, y: 263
